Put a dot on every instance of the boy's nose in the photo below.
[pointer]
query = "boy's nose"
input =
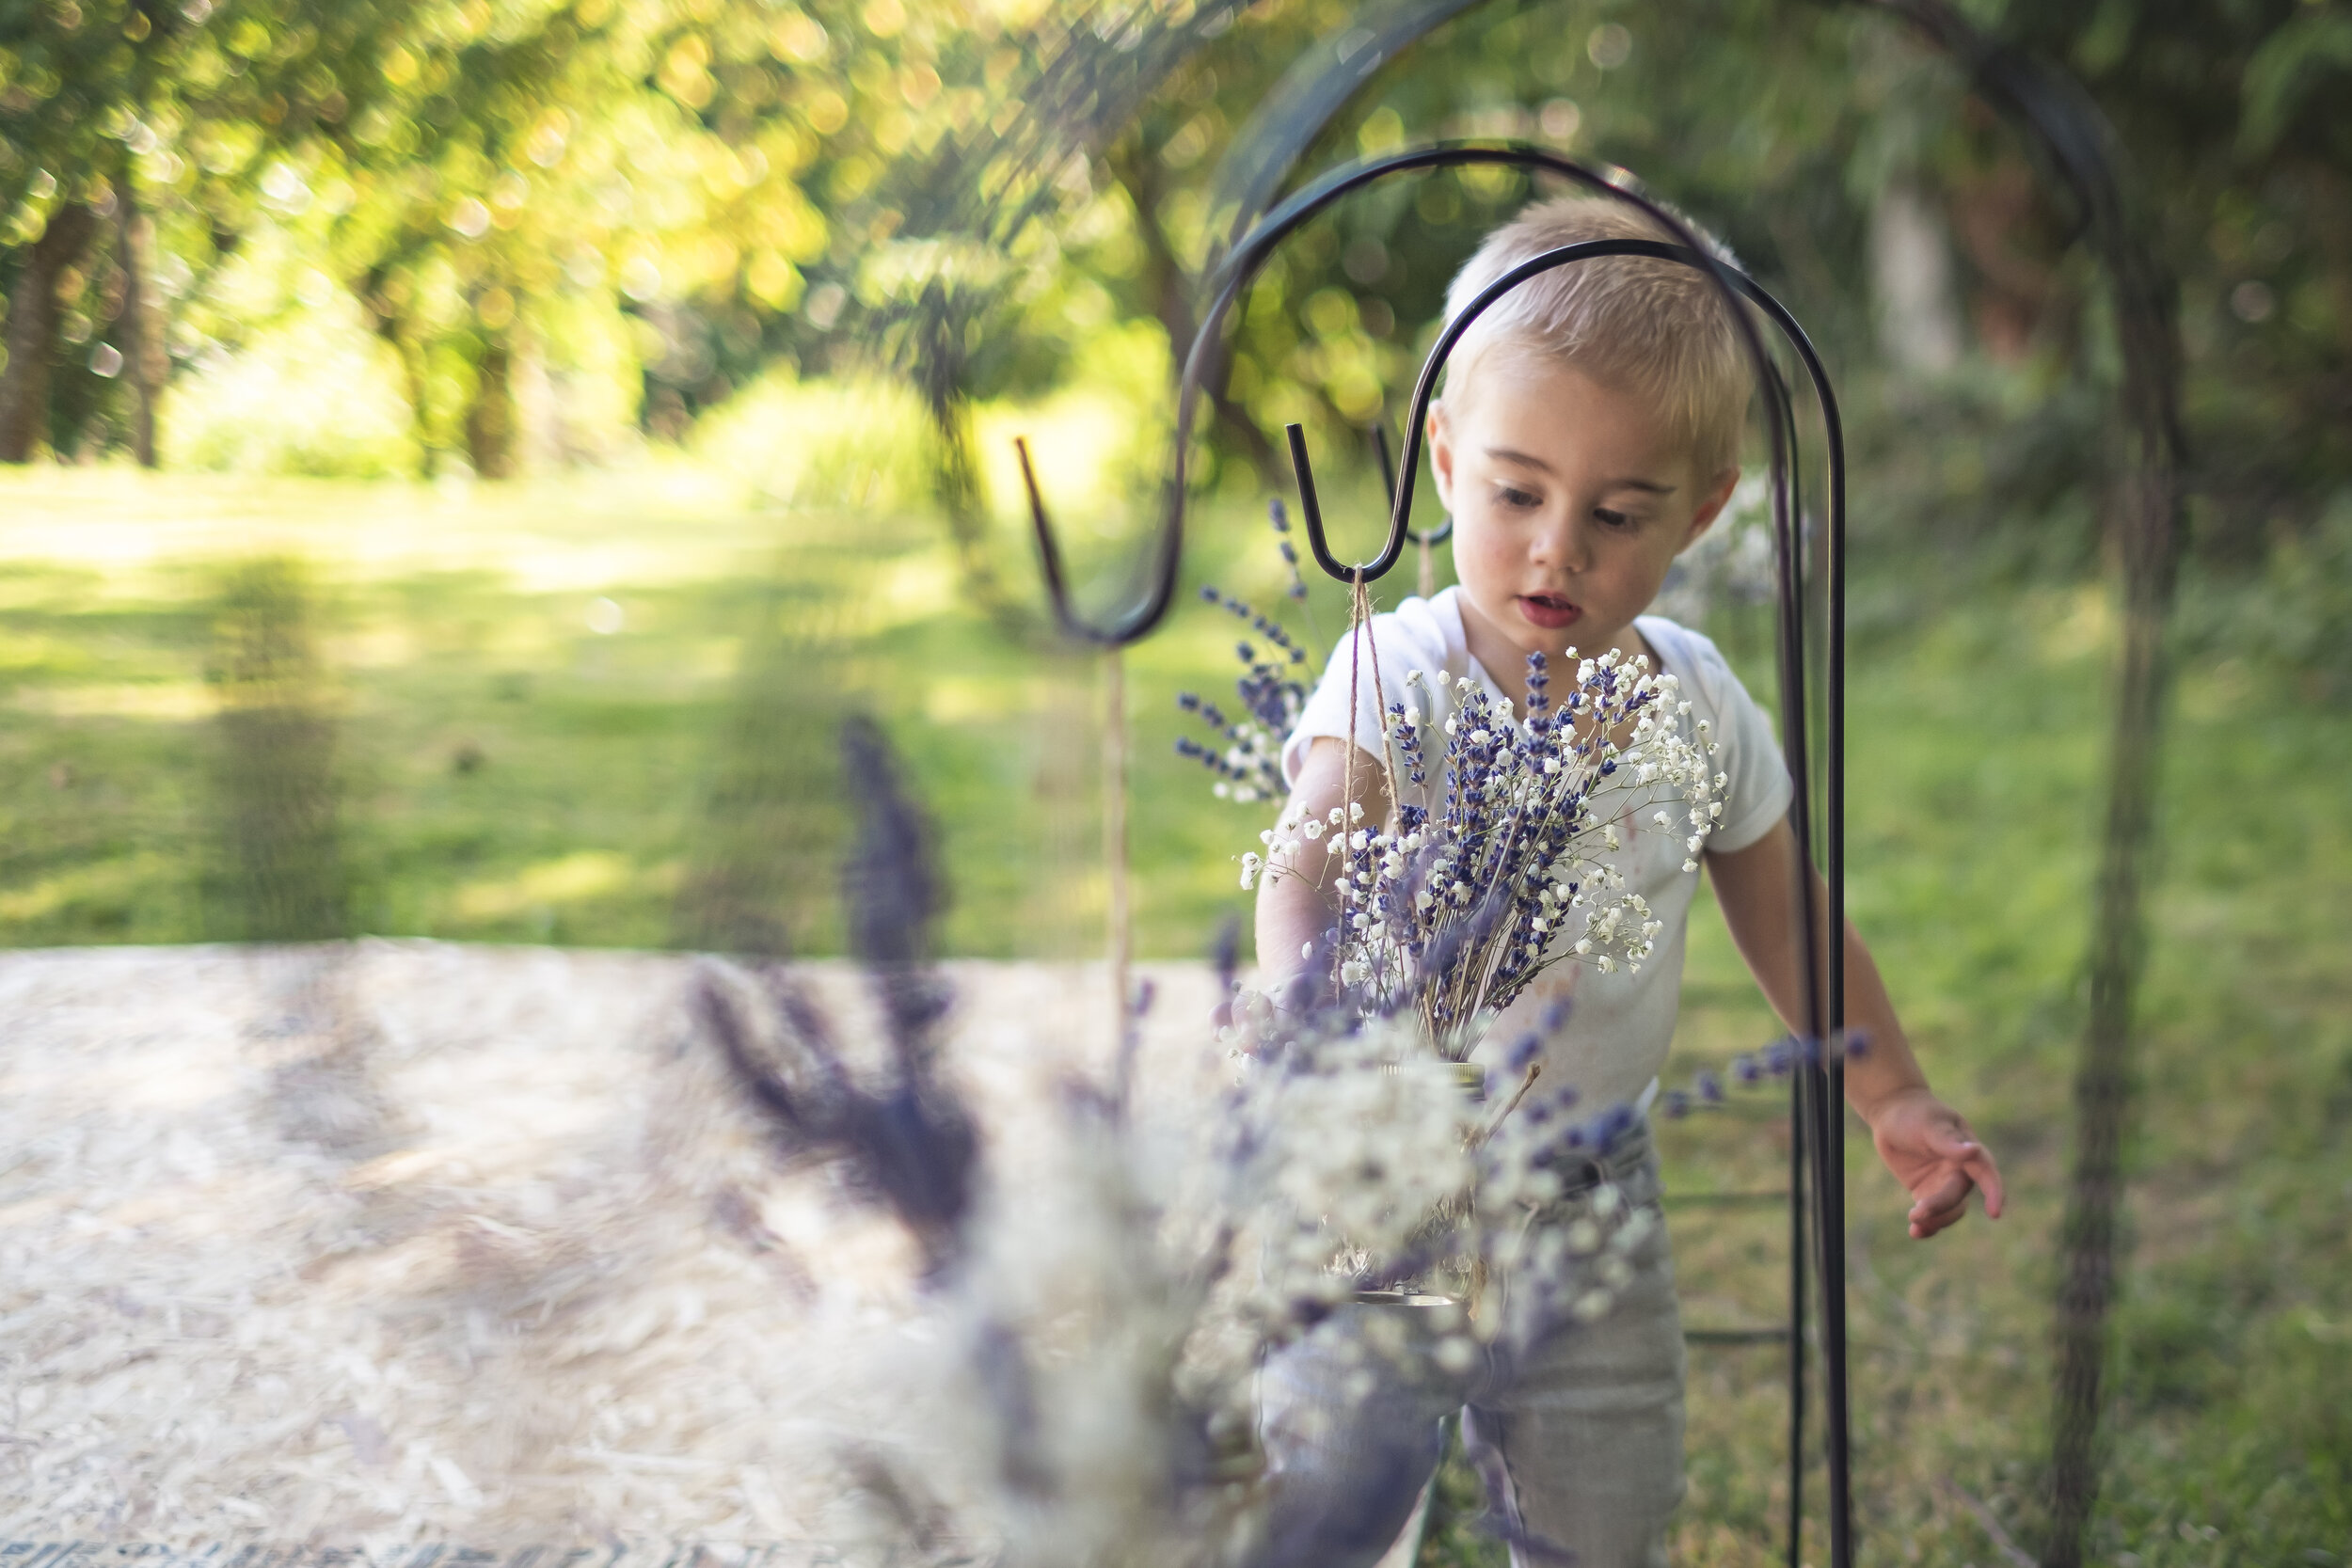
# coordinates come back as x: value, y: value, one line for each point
x: 1559, y: 545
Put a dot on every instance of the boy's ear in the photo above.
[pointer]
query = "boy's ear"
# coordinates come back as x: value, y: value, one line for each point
x: 1711, y: 506
x: 1441, y: 455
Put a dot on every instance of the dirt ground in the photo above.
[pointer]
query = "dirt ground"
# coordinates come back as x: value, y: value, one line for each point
x: 394, y: 1243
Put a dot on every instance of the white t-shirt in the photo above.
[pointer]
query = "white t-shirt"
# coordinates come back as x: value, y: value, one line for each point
x: 1614, y: 1043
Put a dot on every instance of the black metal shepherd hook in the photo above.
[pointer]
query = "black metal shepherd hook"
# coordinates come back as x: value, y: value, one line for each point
x: 2079, y: 155
x: 1817, y: 1160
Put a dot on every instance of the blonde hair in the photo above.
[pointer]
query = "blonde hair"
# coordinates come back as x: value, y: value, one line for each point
x: 1656, y: 328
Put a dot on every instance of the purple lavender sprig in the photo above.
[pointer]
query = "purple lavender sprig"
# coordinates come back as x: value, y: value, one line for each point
x: 910, y: 1143
x: 1246, y: 751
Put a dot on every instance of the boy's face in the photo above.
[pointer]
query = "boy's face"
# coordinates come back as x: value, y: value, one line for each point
x: 1569, y: 502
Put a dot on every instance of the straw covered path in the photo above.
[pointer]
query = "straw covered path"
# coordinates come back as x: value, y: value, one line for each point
x: 374, y: 1249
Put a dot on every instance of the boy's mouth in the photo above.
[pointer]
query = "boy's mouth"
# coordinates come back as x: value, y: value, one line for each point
x: 1547, y: 610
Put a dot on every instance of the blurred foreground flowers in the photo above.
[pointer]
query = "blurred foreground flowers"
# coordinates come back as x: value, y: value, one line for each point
x: 1095, y: 1330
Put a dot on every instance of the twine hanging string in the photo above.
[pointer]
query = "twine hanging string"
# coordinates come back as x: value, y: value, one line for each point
x: 1115, y: 841
x: 1358, y: 638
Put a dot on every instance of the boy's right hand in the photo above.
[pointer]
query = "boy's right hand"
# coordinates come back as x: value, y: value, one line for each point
x: 1931, y: 1151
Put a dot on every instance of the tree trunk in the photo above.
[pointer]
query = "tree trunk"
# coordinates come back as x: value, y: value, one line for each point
x: 32, y: 333
x: 1163, y: 280
x: 390, y: 320
x: 135, y: 327
x: 490, y: 418
x: 2148, y: 528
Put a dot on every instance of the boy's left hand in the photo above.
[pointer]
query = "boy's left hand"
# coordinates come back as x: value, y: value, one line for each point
x: 1931, y: 1151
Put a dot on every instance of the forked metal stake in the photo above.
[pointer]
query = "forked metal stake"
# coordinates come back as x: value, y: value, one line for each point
x: 1817, y: 1163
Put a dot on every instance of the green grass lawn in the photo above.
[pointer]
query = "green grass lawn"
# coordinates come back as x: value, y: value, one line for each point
x: 509, y: 773
x: 1976, y: 743
x: 518, y: 761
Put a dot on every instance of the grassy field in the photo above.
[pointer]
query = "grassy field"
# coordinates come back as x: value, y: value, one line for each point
x: 598, y: 712
x: 509, y: 772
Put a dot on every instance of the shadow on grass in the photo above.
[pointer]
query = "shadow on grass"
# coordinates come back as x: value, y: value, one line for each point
x: 276, y: 871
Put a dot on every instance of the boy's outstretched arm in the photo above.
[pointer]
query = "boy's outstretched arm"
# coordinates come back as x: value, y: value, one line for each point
x: 1296, y: 901
x: 1926, y: 1143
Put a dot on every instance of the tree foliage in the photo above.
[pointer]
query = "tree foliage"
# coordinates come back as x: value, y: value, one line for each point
x: 678, y: 193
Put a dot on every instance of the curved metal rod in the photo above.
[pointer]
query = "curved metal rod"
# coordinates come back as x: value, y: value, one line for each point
x: 1815, y: 1087
x: 1584, y: 250
x: 1232, y: 278
x: 1438, y: 535
x: 1250, y: 254
x: 1049, y: 560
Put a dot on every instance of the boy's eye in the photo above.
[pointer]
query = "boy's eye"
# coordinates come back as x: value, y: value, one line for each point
x: 1611, y: 517
x: 1512, y: 496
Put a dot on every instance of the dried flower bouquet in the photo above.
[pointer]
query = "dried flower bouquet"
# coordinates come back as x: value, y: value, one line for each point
x: 1449, y: 913
x: 1081, y: 1391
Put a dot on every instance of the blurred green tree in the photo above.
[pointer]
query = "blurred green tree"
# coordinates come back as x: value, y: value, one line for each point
x: 109, y: 109
x: 972, y: 193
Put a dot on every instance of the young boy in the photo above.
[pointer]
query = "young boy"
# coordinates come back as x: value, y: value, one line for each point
x: 1588, y: 434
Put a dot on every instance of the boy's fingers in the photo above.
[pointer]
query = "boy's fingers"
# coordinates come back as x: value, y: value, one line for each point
x: 1927, y: 1222
x: 1941, y: 1213
x: 1949, y: 1191
x: 1942, y: 1206
x: 1987, y: 1177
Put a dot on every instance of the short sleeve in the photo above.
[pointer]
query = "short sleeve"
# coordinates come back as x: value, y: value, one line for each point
x: 1756, y: 791
x: 1412, y: 636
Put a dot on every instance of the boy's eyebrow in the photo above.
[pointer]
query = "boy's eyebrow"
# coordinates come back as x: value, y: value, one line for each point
x: 1647, y: 485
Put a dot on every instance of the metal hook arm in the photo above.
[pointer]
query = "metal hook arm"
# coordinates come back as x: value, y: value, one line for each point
x: 1250, y: 254
x: 1310, y: 513
x: 1388, y: 478
x: 1233, y: 279
x: 1135, y: 622
x: 1049, y: 560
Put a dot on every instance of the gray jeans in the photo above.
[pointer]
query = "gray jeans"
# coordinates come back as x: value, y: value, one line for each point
x: 1583, y: 1439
